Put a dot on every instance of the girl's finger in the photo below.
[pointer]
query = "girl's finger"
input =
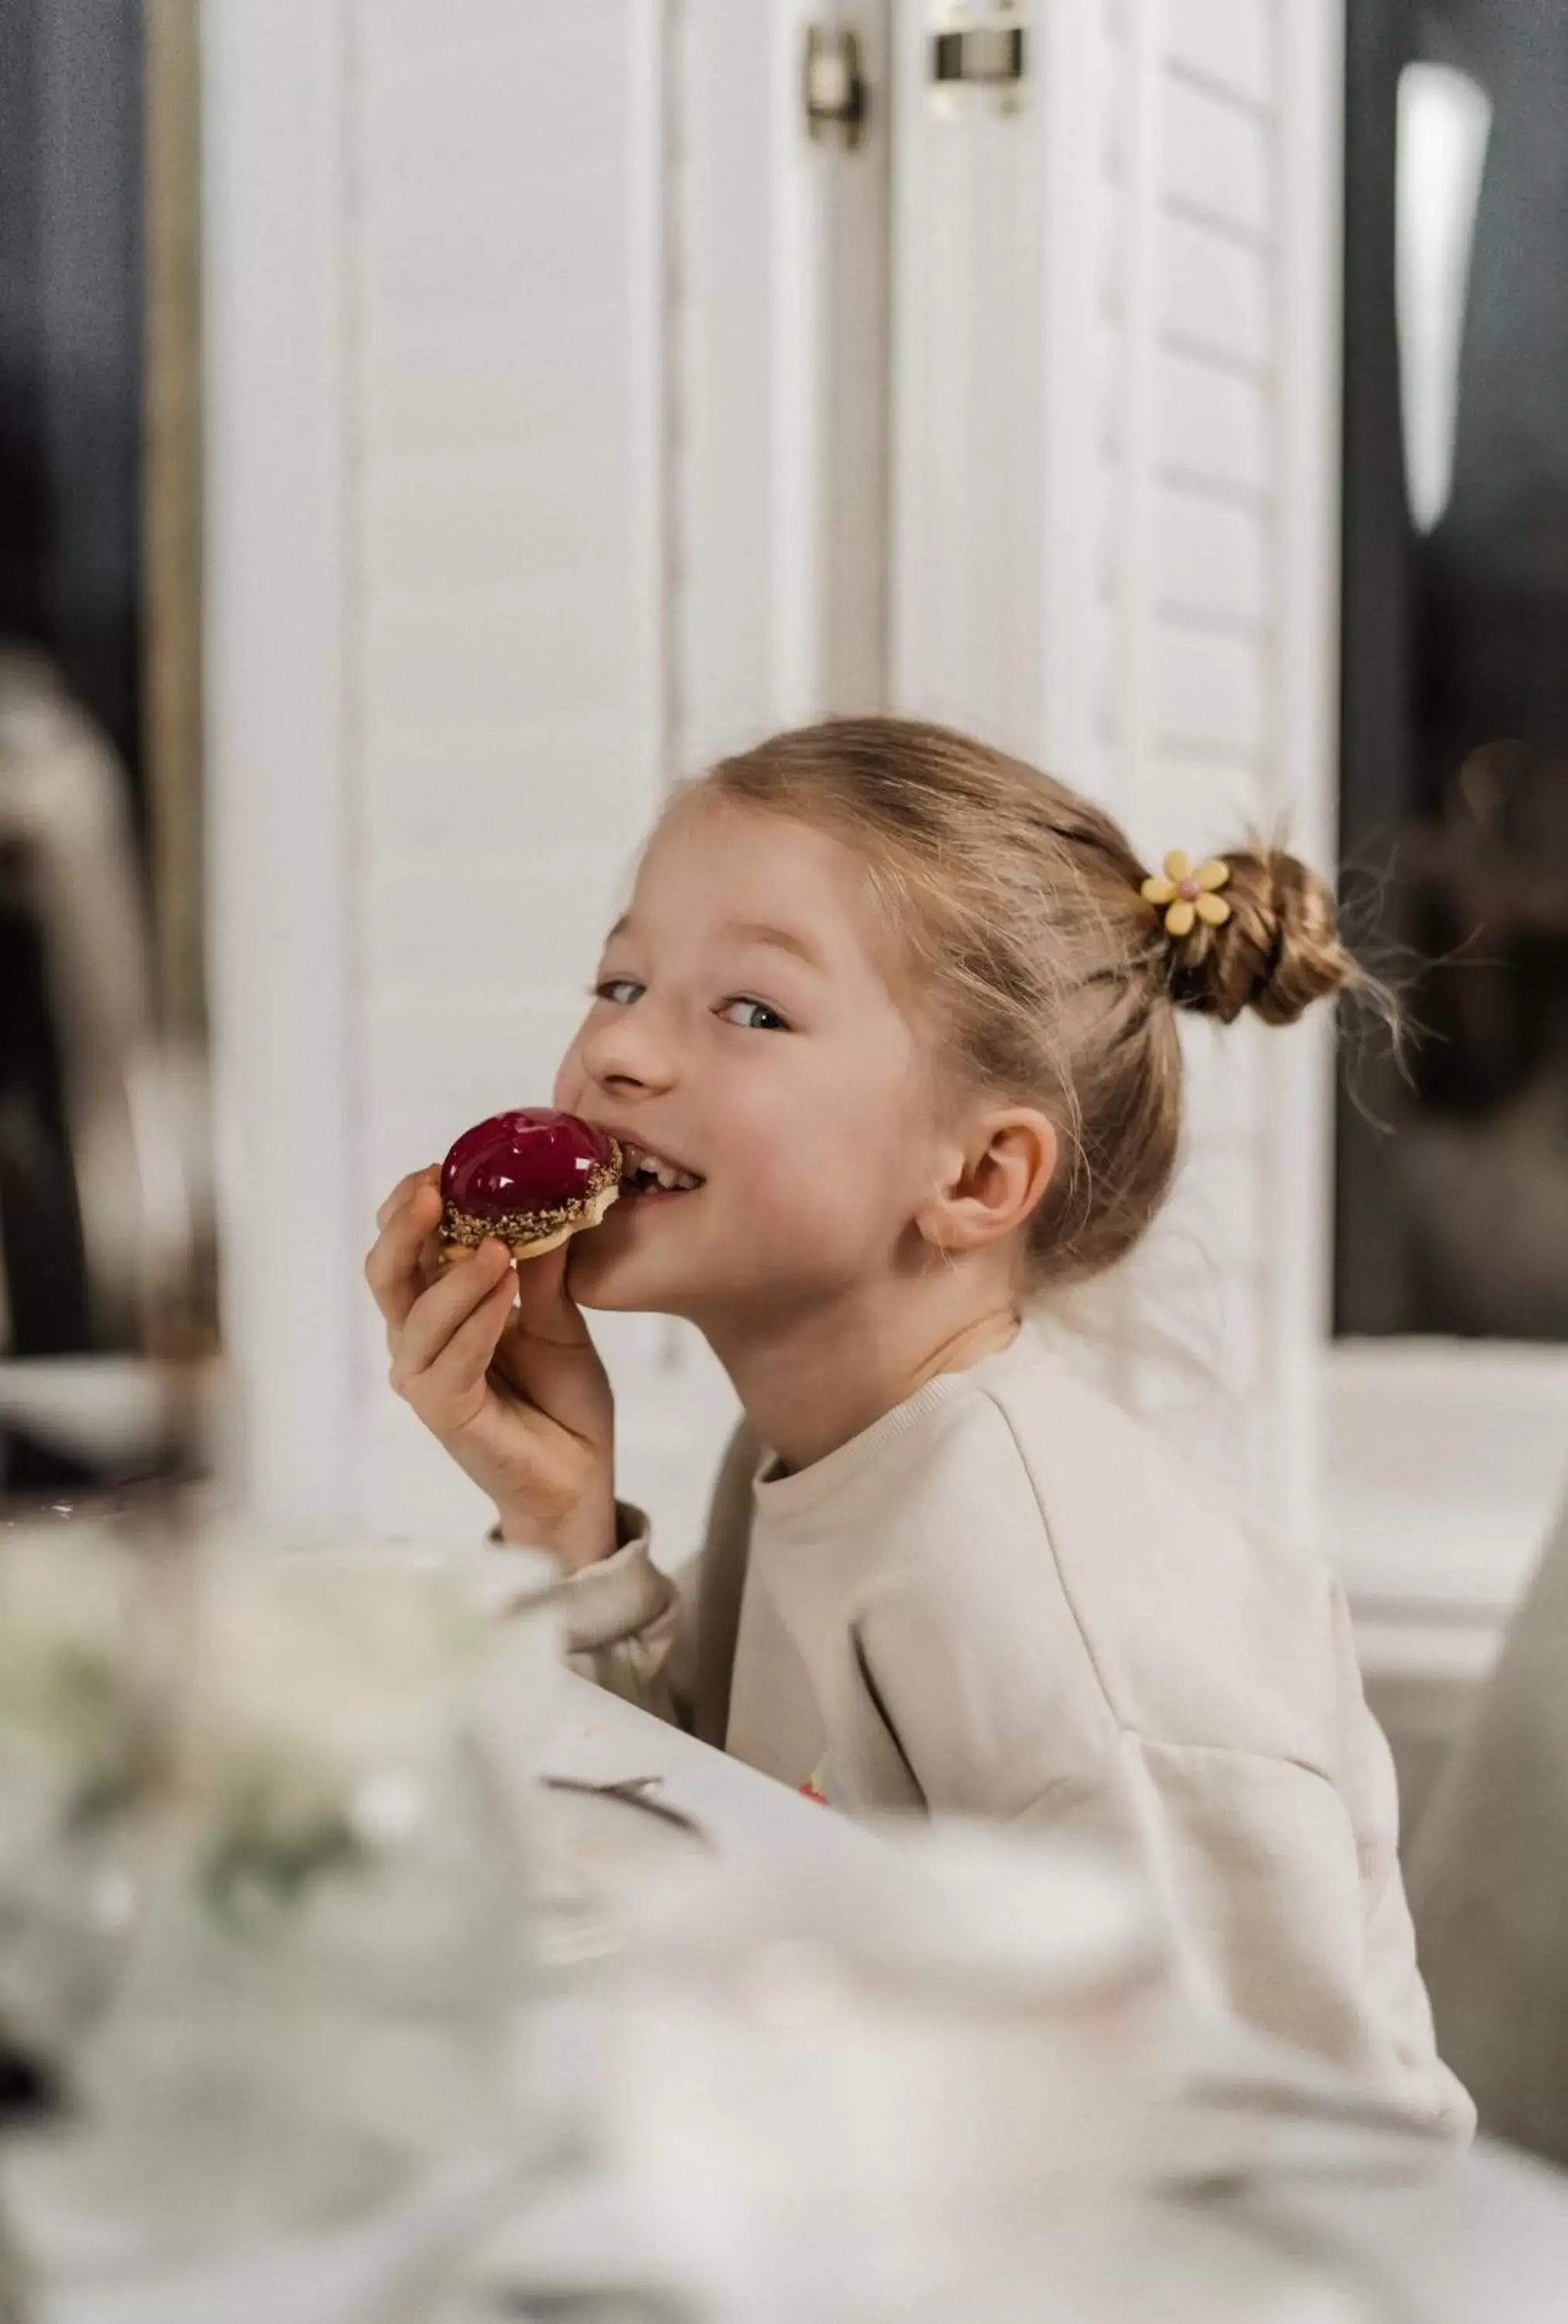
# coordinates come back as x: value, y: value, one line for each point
x: 440, y: 1313
x: 544, y: 1308
x: 408, y: 1222
x: 392, y: 1268
x: 404, y: 1188
x: 462, y: 1364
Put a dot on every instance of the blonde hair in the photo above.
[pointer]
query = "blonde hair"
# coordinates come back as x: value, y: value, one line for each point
x: 1052, y: 981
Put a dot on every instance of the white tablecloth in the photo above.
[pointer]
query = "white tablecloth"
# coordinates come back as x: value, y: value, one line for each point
x: 599, y: 1738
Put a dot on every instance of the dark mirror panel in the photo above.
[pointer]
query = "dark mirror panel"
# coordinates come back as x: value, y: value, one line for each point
x: 1453, y: 1179
x: 71, y: 349
x: 90, y: 374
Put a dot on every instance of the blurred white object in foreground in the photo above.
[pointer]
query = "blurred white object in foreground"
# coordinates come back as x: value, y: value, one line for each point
x: 326, y: 1917
x: 845, y: 2086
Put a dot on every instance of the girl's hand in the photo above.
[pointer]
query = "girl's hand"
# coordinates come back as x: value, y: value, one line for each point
x: 497, y: 1363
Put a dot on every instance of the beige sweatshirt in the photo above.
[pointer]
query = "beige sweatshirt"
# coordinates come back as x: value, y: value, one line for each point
x: 1005, y: 1600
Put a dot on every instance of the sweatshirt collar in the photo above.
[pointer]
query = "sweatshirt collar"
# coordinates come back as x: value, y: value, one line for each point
x: 781, y: 1495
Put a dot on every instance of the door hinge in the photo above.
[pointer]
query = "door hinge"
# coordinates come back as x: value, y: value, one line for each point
x: 978, y: 46
x: 833, y: 85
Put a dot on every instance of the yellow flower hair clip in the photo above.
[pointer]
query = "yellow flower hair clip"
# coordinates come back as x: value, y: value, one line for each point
x: 1187, y: 896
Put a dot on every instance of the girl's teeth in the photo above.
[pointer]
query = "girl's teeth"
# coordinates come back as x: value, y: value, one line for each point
x: 649, y: 1169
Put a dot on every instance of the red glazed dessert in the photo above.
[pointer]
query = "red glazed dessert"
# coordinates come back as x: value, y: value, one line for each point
x: 534, y: 1177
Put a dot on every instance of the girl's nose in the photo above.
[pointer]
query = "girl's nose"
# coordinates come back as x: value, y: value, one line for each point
x: 628, y: 1051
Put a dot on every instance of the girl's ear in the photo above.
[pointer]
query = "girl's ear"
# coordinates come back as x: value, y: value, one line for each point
x: 994, y: 1182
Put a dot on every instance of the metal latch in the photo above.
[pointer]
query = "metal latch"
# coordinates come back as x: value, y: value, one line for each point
x: 977, y: 48
x: 835, y: 85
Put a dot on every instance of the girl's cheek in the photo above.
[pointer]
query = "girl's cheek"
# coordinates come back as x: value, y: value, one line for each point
x: 569, y: 1081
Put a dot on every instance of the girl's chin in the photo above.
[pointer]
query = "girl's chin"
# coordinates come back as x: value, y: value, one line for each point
x: 602, y: 1277
x: 628, y: 1266
x: 624, y: 1296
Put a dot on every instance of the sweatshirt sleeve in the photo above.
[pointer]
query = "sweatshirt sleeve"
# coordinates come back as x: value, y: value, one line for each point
x: 668, y: 1644
x: 630, y: 1628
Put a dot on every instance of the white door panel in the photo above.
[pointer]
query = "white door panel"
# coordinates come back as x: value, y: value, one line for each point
x: 779, y: 356
x: 1112, y: 550
x: 452, y: 461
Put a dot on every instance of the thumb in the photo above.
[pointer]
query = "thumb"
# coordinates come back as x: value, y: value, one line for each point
x: 544, y: 1308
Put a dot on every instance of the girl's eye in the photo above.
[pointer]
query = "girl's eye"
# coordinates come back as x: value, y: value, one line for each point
x: 757, y: 1016
x: 621, y: 990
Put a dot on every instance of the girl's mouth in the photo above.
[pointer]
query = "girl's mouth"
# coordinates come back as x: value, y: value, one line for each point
x: 648, y: 1177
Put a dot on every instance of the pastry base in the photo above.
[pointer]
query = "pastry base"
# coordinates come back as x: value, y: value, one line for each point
x: 592, y: 1213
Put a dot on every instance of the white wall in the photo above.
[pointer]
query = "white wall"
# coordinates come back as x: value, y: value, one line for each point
x: 276, y: 619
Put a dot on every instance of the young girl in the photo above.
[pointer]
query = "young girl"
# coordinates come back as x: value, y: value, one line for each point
x: 906, y: 1010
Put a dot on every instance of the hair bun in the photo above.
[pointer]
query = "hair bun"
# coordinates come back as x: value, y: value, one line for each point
x: 1278, y: 951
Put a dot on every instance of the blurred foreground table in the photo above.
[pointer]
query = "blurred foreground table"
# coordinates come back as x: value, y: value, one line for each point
x: 1426, y: 2234
x: 1328, y: 2222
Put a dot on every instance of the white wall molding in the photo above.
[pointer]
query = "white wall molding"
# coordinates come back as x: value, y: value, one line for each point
x: 1309, y: 206
x: 1075, y: 65
x: 975, y: 195
x: 276, y: 618
x: 780, y: 322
